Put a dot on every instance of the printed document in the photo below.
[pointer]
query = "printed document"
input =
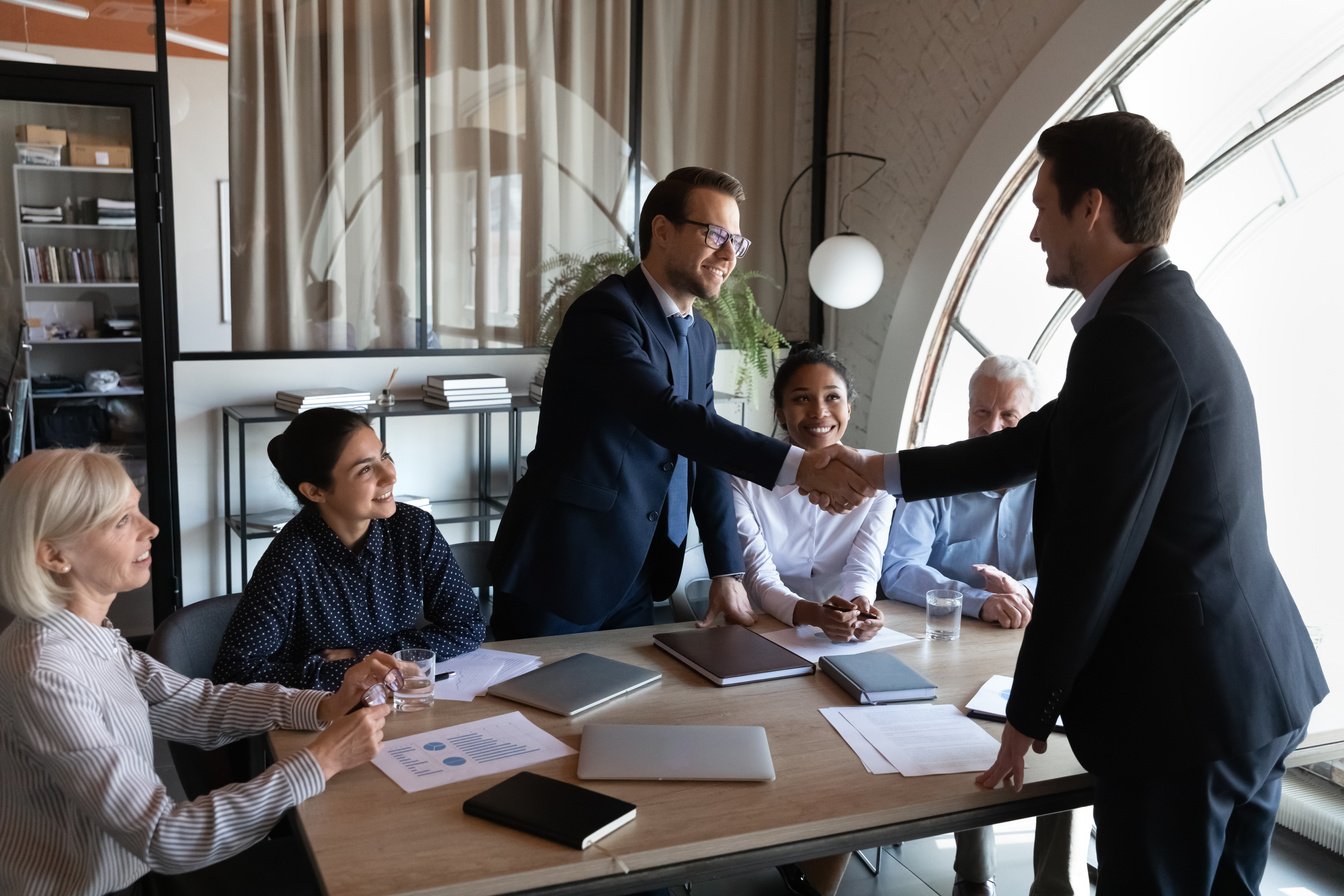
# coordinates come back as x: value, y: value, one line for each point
x: 469, y: 750
x: 811, y: 643
x: 477, y: 670
x: 916, y: 739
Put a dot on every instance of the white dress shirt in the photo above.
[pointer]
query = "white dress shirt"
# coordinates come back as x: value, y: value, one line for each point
x: 82, y: 810
x: 796, y: 551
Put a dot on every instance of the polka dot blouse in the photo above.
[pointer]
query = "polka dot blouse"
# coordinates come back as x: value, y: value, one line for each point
x: 310, y: 593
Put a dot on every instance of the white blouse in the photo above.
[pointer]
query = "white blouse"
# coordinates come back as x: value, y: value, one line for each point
x: 796, y: 551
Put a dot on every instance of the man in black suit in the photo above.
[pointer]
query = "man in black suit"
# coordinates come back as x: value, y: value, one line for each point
x: 628, y: 439
x: 1162, y: 630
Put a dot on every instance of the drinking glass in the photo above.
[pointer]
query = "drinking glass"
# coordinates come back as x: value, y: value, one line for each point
x: 942, y: 615
x: 417, y: 692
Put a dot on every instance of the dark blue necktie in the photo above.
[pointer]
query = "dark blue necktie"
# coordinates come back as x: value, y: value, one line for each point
x: 677, y: 490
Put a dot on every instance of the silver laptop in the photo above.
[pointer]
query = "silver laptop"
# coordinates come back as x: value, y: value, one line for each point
x: 571, y: 685
x: 675, y: 753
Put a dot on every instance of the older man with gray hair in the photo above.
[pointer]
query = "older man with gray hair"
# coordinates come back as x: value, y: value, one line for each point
x: 986, y: 538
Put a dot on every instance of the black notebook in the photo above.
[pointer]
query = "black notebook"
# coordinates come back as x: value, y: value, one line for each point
x: 877, y: 677
x: 731, y: 654
x: 556, y: 810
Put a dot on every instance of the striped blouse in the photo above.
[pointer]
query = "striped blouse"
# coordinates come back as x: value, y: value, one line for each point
x: 82, y: 810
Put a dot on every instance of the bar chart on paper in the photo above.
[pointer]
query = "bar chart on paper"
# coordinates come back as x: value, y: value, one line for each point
x: 466, y: 751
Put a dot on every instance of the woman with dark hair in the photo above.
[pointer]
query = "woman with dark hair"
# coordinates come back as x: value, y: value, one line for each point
x: 352, y: 573
x: 82, y: 808
x: 806, y: 566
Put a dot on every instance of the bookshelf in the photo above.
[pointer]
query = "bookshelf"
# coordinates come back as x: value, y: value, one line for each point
x: 244, y: 522
x: 80, y: 294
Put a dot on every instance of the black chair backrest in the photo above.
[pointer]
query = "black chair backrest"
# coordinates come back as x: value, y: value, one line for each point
x: 474, y: 559
x: 188, y: 642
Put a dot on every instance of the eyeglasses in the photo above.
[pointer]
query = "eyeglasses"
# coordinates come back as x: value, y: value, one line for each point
x: 716, y: 236
x: 380, y: 693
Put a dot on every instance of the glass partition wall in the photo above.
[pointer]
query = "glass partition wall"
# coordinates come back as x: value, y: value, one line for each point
x: 402, y: 171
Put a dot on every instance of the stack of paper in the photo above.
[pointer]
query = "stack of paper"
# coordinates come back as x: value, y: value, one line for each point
x: 473, y: 672
x: 299, y: 400
x: 467, y: 390
x: 914, y: 739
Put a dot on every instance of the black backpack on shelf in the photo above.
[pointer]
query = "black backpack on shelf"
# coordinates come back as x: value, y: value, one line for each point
x: 75, y: 423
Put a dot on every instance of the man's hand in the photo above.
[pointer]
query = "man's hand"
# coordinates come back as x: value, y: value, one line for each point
x: 1010, y: 603
x: 727, y: 596
x: 1009, y: 765
x: 836, y: 487
x: 1008, y: 610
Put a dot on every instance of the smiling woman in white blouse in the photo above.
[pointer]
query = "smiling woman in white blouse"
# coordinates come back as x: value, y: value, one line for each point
x: 354, y: 572
x: 806, y: 566
x: 82, y: 810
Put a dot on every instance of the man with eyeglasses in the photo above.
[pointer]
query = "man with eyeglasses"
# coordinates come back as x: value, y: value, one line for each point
x: 628, y: 442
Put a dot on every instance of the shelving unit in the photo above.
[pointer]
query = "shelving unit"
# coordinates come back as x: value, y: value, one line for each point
x: 64, y: 270
x: 481, y: 508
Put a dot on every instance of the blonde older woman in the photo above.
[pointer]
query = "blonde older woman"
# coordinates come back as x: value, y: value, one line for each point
x: 82, y: 810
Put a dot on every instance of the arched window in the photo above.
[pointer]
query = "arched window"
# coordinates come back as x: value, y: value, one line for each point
x: 1253, y: 95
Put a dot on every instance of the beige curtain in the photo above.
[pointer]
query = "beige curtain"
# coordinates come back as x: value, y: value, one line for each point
x: 322, y: 106
x: 722, y: 89
x: 528, y: 153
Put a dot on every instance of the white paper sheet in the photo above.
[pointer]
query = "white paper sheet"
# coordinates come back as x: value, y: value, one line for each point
x: 991, y: 701
x: 479, y: 669
x: 872, y: 760
x: 810, y: 643
x: 924, y: 739
x: 469, y: 750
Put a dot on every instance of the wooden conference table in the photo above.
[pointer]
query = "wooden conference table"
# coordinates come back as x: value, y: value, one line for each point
x: 367, y: 836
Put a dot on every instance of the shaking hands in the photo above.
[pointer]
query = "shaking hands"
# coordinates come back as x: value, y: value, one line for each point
x: 837, y: 478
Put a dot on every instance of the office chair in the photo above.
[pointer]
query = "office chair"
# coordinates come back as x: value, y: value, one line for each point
x: 690, y: 601
x: 474, y: 559
x: 188, y: 642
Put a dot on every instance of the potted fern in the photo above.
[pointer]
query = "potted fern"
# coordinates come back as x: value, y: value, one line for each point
x: 734, y: 315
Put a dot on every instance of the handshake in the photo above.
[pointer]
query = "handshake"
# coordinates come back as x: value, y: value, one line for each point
x: 838, y: 479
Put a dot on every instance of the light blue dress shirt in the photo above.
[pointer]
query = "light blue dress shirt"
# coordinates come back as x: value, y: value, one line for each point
x: 935, y: 543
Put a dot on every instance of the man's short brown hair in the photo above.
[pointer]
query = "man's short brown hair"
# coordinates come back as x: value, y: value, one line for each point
x: 668, y: 198
x: 1133, y: 163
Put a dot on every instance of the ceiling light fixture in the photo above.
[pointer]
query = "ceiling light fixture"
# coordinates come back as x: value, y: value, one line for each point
x: 845, y: 270
x: 53, y: 6
x: 196, y: 43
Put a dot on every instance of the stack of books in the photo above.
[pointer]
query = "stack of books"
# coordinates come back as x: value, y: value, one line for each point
x: 534, y: 387
x: 297, y: 401
x: 466, y: 390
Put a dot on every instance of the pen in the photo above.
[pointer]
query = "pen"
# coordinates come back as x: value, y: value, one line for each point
x: 862, y: 614
x: 444, y: 676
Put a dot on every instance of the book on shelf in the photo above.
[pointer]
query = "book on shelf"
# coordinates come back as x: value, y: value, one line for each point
x: 877, y: 677
x: 413, y: 500
x: 731, y: 654
x: 557, y: 810
x: 299, y: 400
x: 460, y: 403
x: 534, y: 393
x: 466, y: 393
x: 448, y: 381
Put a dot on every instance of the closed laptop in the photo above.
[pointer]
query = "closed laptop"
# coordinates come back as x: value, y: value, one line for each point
x: 675, y: 753
x: 569, y: 686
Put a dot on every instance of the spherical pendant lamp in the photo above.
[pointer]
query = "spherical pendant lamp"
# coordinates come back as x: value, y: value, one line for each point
x: 845, y: 271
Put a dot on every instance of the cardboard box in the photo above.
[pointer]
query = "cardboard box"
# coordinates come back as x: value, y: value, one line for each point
x: 41, y: 134
x: 96, y: 152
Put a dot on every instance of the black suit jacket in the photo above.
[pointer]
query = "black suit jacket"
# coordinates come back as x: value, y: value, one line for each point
x: 582, y: 520
x: 1162, y: 630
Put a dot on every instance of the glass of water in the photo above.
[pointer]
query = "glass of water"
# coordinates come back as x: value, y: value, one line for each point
x: 417, y: 691
x: 942, y: 615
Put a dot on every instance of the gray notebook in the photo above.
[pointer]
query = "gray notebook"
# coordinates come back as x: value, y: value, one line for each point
x: 675, y: 753
x: 569, y: 686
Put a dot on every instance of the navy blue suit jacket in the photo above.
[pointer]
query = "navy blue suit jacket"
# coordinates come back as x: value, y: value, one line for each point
x: 1159, y: 611
x: 582, y: 520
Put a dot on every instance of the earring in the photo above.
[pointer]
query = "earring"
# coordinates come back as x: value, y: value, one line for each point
x: 65, y: 569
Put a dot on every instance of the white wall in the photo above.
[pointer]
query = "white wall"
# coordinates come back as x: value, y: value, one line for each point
x: 951, y: 94
x: 436, y: 456
x: 198, y: 92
